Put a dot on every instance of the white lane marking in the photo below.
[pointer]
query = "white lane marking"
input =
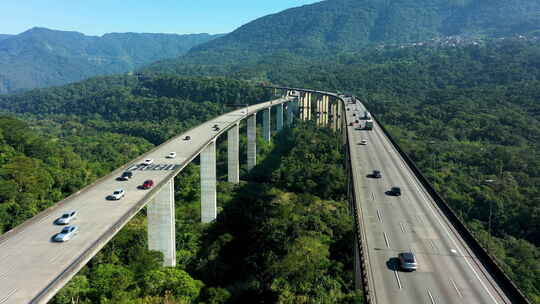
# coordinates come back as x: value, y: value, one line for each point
x: 398, y: 280
x: 456, y: 288
x: 8, y: 295
x: 431, y: 208
x: 379, y: 215
x: 402, y: 227
x: 386, y: 240
x: 433, y: 246
x: 431, y: 297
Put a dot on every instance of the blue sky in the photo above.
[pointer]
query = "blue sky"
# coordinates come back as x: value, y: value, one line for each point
x: 96, y: 17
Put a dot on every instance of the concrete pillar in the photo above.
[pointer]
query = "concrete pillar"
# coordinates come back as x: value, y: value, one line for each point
x: 208, y: 183
x: 339, y: 114
x: 326, y: 110
x: 233, y: 160
x: 334, y: 115
x: 303, y: 106
x: 279, y: 117
x: 267, y: 131
x: 252, y: 141
x: 290, y: 111
x: 161, y: 224
x: 309, y: 106
x: 317, y: 108
x: 320, y: 103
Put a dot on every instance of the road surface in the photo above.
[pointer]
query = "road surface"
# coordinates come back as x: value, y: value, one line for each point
x: 411, y: 222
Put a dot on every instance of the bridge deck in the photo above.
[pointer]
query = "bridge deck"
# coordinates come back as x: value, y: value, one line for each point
x: 31, y: 264
x: 447, y: 272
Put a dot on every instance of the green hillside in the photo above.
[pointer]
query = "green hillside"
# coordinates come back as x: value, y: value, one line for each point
x: 41, y: 57
x: 333, y: 26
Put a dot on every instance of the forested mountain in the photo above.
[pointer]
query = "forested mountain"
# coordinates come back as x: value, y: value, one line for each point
x: 4, y: 36
x: 42, y: 57
x: 334, y: 26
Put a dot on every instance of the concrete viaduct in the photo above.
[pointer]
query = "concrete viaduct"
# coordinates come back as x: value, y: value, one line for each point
x: 453, y: 268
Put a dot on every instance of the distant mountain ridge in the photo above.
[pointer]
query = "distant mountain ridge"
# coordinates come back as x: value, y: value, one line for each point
x: 42, y: 57
x: 346, y: 25
x: 4, y: 36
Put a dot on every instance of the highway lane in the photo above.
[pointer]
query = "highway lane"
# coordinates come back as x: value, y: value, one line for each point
x: 411, y: 222
x: 30, y: 261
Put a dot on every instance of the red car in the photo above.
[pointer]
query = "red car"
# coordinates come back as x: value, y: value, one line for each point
x: 147, y: 184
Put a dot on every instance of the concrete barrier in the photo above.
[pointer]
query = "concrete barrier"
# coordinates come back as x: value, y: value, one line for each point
x: 488, y: 261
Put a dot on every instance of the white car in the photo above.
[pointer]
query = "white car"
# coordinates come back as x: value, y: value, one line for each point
x: 171, y: 155
x: 147, y: 162
x: 363, y: 142
x: 66, y: 234
x: 117, y: 194
x: 66, y: 218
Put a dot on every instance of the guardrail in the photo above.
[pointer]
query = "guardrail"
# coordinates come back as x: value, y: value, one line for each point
x: 366, y: 272
x: 488, y: 261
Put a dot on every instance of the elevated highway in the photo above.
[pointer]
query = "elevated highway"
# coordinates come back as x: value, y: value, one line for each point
x: 33, y: 268
x: 448, y: 271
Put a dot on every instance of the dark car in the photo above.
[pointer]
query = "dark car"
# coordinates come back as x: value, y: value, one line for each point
x: 395, y: 191
x: 376, y: 174
x: 147, y: 184
x: 407, y: 261
x: 125, y: 176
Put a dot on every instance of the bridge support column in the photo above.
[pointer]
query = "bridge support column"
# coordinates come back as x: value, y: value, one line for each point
x: 339, y: 115
x: 290, y: 112
x: 326, y: 109
x: 317, y: 111
x: 279, y: 117
x: 252, y: 141
x: 266, y: 125
x: 302, y: 106
x: 334, y: 115
x: 161, y: 224
x: 233, y: 160
x: 309, y: 106
x: 208, y: 183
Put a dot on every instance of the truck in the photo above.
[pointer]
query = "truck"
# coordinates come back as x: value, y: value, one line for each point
x: 369, y: 124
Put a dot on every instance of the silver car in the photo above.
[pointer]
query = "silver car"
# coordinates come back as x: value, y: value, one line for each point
x: 66, y: 234
x: 148, y: 161
x: 117, y: 194
x: 407, y: 261
x: 66, y: 218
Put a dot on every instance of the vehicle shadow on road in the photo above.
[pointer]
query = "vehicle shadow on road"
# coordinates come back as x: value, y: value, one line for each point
x: 393, y: 264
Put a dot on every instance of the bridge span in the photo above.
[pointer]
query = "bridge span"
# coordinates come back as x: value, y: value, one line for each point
x: 33, y: 268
